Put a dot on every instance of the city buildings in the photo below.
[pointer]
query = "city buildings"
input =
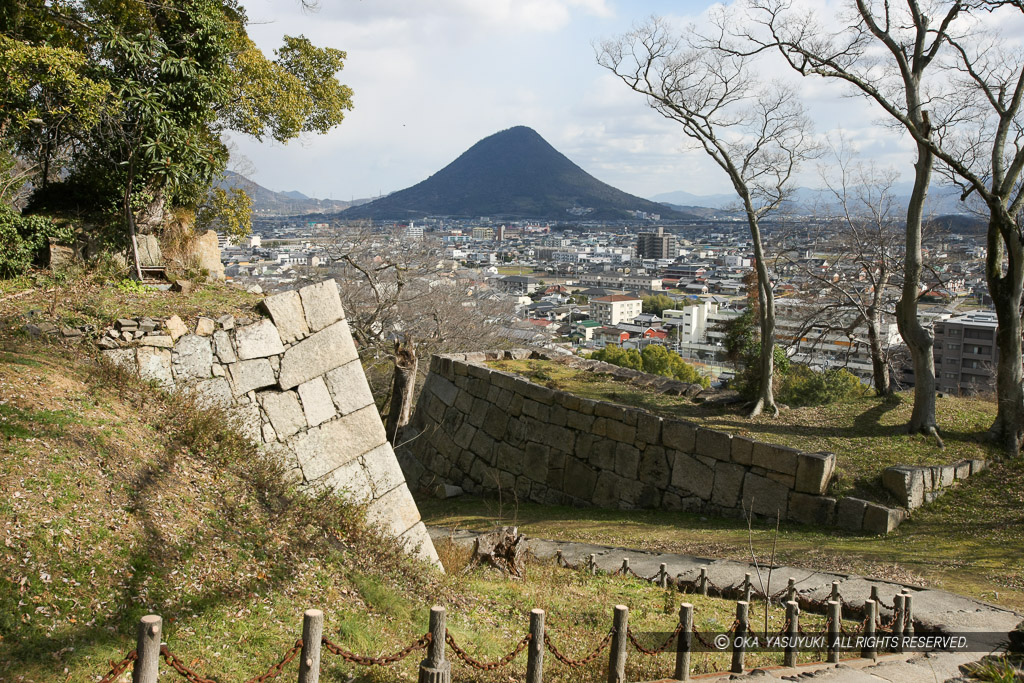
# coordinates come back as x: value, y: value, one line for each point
x: 656, y: 245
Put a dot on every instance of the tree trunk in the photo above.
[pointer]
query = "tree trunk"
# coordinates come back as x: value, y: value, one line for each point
x: 402, y: 388
x: 918, y: 339
x: 879, y: 366
x: 129, y: 218
x: 1007, y: 291
x: 766, y: 314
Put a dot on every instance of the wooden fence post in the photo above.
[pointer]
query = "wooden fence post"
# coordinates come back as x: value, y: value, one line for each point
x: 870, y: 649
x: 747, y: 586
x: 625, y: 566
x: 435, y: 668
x: 835, y: 591
x: 739, y: 637
x: 874, y: 595
x: 663, y: 575
x: 702, y: 585
x: 558, y: 557
x: 593, y: 564
x: 312, y: 634
x: 535, y: 651
x: 899, y: 622
x: 833, y: 631
x: 685, y: 642
x: 792, y: 632
x: 620, y: 640
x: 147, y: 649
x: 791, y: 589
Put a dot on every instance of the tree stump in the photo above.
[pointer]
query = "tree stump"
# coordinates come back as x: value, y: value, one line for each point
x: 502, y: 549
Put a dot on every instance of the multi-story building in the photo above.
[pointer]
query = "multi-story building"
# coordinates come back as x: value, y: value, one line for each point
x: 966, y: 354
x: 690, y: 324
x: 656, y: 245
x: 611, y: 310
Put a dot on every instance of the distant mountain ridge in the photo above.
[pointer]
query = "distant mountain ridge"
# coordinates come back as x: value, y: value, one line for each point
x: 293, y: 203
x: 514, y: 173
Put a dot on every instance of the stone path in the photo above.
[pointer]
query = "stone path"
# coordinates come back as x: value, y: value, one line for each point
x: 934, y: 609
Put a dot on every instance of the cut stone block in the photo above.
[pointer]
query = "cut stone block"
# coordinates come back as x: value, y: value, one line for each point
x: 774, y: 458
x: 714, y: 444
x: 335, y: 443
x: 850, y: 513
x: 213, y: 393
x: 814, y: 472
x: 285, y: 310
x: 248, y: 375
x: 349, y: 387
x: 222, y: 345
x: 763, y: 496
x: 679, y: 436
x: 155, y: 365
x: 323, y: 351
x: 283, y: 411
x: 193, y: 357
x: 175, y: 327
x: 396, y: 512
x: 691, y: 475
x: 258, y: 340
x: 162, y: 341
x: 907, y: 484
x: 351, y: 482
x: 879, y: 519
x: 728, y: 484
x: 316, y: 401
x: 322, y: 305
x: 383, y: 470
x: 205, y: 326
x: 809, y: 509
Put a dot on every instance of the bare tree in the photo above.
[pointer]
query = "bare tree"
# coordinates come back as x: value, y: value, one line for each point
x: 984, y: 155
x: 885, y: 51
x: 859, y: 289
x: 756, y: 133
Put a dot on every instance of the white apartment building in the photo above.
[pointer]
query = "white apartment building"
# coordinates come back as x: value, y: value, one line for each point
x: 611, y: 310
x: 690, y: 323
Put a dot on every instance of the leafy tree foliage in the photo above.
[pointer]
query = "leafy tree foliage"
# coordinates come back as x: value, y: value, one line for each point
x: 803, y: 386
x: 657, y: 303
x: 23, y: 240
x: 654, y: 359
x: 126, y: 101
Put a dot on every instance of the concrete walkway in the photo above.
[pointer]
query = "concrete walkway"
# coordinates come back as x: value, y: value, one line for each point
x: 934, y: 610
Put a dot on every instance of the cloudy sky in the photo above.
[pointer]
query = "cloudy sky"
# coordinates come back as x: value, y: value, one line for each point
x: 432, y: 77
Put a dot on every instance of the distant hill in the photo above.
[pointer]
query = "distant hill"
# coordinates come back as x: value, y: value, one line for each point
x: 511, y: 174
x: 269, y: 203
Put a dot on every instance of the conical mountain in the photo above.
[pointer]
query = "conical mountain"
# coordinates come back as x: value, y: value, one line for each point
x: 511, y: 174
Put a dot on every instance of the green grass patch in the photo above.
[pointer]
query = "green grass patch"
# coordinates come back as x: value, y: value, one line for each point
x: 867, y: 434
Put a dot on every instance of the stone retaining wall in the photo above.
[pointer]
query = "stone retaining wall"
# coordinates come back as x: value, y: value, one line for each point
x: 296, y: 384
x: 916, y: 486
x: 487, y: 430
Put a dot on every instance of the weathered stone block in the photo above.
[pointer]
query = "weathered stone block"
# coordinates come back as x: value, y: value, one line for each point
x: 579, y: 421
x: 192, y: 359
x: 162, y: 341
x: 775, y: 458
x: 322, y: 305
x: 348, y: 387
x: 947, y: 475
x: 627, y: 460
x: 155, y: 365
x: 728, y: 484
x: 205, y: 326
x: 258, y: 340
x: 337, y: 442
x: 283, y: 411
x: 248, y: 375
x: 579, y: 480
x: 742, y: 450
x: 536, y: 392
x: 963, y: 469
x: 809, y: 509
x: 395, y: 512
x: 602, y: 454
x: 814, y: 472
x: 679, y: 436
x: 285, y: 310
x: 216, y: 393
x: 850, y: 513
x: 350, y: 482
x: 648, y: 428
x: 714, y: 444
x: 319, y: 353
x: 383, y: 470
x: 762, y: 496
x: 907, y: 484
x: 316, y: 401
x: 223, y: 347
x: 618, y: 431
x: 654, y: 466
x: 535, y: 461
x: 483, y: 445
x: 978, y: 465
x: 175, y: 327
x: 879, y: 519
x: 689, y: 474
x: 606, y: 490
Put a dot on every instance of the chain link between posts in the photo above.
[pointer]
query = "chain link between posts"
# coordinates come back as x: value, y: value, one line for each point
x: 575, y: 663
x: 363, y: 660
x: 658, y: 650
x: 119, y: 668
x: 487, y: 666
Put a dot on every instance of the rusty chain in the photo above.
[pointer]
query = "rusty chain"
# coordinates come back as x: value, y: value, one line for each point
x: 177, y: 665
x: 275, y: 670
x: 486, y: 666
x: 701, y: 640
x: 659, y: 650
x: 116, y: 669
x: 574, y: 663
x: 363, y: 660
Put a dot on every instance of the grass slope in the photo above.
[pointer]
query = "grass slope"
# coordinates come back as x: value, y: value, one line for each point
x: 866, y: 434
